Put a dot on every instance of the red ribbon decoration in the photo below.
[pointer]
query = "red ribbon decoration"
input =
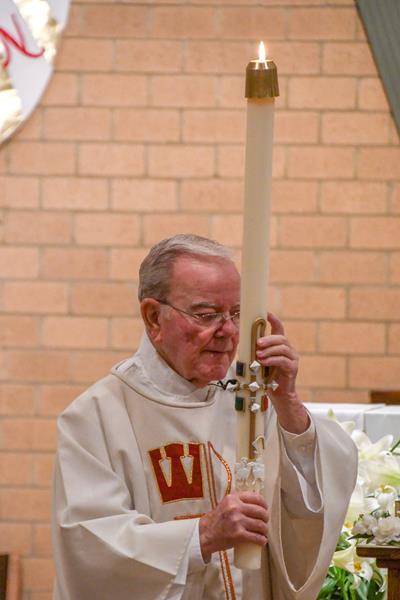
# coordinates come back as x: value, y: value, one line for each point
x: 19, y: 43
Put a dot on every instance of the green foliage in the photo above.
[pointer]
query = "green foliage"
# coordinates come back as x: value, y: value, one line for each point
x: 343, y: 542
x: 339, y: 585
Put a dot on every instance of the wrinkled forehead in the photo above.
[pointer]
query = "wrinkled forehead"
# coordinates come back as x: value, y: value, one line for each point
x: 210, y: 279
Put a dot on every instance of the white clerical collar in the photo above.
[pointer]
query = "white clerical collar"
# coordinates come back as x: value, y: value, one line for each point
x: 147, y: 369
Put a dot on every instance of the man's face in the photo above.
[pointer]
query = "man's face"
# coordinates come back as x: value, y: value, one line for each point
x: 200, y: 285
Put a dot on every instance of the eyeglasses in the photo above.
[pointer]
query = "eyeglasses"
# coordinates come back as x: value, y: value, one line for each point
x: 208, y: 319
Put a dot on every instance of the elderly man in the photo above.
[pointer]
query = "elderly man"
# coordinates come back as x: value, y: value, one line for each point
x: 145, y: 507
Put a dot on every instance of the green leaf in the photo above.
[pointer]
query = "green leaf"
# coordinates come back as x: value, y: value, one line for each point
x: 342, y: 542
x: 362, y: 591
x: 396, y: 445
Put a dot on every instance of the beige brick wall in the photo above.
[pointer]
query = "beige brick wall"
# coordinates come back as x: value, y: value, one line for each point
x: 139, y: 136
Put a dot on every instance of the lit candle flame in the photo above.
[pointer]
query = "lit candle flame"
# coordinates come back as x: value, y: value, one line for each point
x: 261, y: 52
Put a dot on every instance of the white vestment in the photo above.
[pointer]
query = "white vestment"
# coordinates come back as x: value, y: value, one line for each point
x: 143, y: 454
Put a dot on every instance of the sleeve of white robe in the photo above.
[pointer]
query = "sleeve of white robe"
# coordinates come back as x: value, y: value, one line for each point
x: 103, y: 547
x: 299, y: 473
x: 301, y: 545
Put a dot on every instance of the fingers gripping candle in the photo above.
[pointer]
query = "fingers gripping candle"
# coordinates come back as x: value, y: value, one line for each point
x: 251, y: 395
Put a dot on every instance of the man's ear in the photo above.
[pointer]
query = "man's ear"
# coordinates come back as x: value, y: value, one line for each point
x: 150, y: 310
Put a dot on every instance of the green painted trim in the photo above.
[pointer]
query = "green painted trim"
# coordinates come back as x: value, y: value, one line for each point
x: 381, y: 20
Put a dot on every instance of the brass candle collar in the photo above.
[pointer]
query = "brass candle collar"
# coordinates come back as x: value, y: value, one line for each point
x: 261, y: 79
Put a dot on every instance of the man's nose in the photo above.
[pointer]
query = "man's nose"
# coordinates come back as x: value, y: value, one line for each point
x: 227, y: 327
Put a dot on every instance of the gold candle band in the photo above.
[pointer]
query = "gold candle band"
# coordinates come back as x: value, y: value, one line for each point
x: 261, y: 79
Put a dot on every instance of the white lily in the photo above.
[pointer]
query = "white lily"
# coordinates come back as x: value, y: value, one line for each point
x: 347, y: 559
x: 371, y: 504
x: 344, y: 559
x: 382, y: 500
x: 383, y: 471
x: 362, y: 569
x: 376, y: 465
x: 386, y: 498
x: 367, y: 449
x: 356, y: 505
x: 378, y: 485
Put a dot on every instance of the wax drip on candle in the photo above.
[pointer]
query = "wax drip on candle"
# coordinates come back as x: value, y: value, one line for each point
x: 262, y: 55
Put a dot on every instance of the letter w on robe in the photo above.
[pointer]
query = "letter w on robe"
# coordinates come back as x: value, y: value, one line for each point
x: 177, y: 469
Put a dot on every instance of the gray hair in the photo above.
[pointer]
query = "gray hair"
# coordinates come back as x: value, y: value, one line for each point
x: 155, y: 270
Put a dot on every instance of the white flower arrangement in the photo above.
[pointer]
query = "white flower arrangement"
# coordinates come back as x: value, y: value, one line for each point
x: 379, y: 526
x: 370, y: 519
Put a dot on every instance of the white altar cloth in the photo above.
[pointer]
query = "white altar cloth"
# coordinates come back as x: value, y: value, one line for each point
x: 344, y: 412
x: 383, y: 421
x: 376, y: 420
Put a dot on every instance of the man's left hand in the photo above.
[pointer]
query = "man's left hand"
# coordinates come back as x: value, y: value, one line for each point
x: 275, y: 351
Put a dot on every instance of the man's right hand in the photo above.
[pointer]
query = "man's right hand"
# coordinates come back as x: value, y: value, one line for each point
x: 239, y: 517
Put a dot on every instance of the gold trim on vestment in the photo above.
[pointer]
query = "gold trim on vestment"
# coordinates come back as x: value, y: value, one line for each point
x: 224, y: 561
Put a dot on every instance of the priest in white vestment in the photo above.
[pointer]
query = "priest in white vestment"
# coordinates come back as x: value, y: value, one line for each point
x: 144, y: 500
